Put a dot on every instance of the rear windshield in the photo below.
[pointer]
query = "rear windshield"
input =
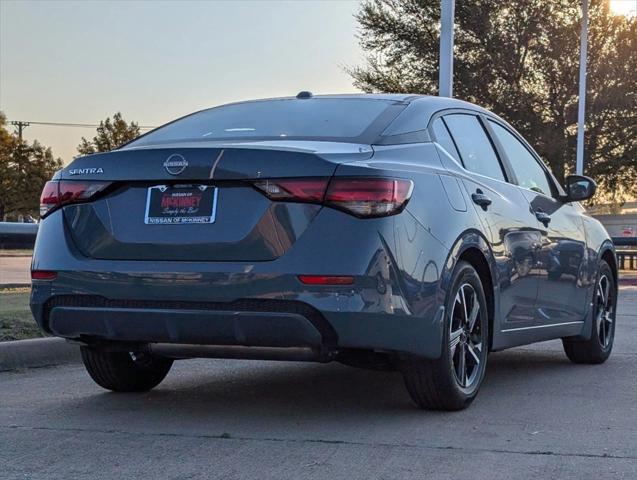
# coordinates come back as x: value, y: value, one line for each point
x: 316, y: 119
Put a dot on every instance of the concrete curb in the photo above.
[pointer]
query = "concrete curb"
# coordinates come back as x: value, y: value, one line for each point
x: 5, y: 286
x: 37, y: 352
x: 627, y: 277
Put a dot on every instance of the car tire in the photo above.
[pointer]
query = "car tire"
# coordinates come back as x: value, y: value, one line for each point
x: 452, y: 381
x: 124, y: 371
x: 598, y: 347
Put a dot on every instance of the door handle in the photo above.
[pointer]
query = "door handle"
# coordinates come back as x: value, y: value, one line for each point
x: 543, y: 217
x: 481, y: 199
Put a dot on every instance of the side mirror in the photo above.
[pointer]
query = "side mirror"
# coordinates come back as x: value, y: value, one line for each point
x: 579, y: 187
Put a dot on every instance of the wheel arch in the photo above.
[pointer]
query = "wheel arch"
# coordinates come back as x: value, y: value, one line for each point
x: 607, y: 253
x: 474, y: 248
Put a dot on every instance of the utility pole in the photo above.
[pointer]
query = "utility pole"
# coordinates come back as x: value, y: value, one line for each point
x: 445, y: 78
x: 581, y: 108
x: 19, y: 127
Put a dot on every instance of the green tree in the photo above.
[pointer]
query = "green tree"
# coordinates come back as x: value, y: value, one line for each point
x: 520, y: 59
x: 24, y: 169
x: 110, y: 135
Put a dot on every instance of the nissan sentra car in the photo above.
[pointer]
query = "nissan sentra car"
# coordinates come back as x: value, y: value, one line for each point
x: 402, y: 232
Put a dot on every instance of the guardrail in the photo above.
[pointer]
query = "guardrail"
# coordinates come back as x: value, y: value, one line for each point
x: 625, y: 241
x: 626, y: 258
x: 17, y: 235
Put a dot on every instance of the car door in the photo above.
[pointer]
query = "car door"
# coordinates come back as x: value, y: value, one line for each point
x: 561, y: 258
x: 511, y: 228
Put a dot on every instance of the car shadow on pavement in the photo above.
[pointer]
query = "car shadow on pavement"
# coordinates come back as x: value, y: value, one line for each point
x: 268, y: 392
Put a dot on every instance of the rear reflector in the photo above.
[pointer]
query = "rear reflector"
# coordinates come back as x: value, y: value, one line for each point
x: 326, y: 280
x: 363, y: 197
x: 63, y: 192
x: 43, y: 275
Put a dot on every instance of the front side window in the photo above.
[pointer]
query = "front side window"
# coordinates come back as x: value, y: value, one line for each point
x: 527, y: 170
x: 474, y: 146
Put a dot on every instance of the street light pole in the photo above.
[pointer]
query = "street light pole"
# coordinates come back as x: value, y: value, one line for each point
x: 445, y: 79
x: 581, y: 108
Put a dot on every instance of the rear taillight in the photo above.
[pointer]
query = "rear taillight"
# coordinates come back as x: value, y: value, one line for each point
x: 310, y: 190
x: 369, y: 197
x: 62, y: 192
x: 362, y: 197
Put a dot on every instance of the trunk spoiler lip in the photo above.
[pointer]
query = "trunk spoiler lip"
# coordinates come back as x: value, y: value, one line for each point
x: 317, y: 147
x: 89, y: 167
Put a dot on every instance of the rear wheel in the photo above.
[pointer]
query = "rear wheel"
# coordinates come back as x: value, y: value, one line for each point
x: 597, y: 349
x: 452, y: 381
x: 125, y: 371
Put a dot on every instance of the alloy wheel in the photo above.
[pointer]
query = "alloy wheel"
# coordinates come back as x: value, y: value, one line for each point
x: 466, y: 344
x: 604, y: 311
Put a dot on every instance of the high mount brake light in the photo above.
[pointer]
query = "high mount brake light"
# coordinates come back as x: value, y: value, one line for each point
x: 57, y: 193
x: 365, y: 197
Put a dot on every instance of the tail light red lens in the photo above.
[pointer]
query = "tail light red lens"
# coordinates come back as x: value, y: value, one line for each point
x: 294, y: 189
x: 362, y: 197
x: 369, y: 197
x: 63, y: 192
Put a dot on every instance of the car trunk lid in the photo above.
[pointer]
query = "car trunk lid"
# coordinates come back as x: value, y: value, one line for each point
x: 232, y: 220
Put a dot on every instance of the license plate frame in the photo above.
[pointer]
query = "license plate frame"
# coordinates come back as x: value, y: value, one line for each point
x: 181, y: 201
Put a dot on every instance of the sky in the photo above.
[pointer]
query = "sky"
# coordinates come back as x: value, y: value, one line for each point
x: 80, y: 62
x: 624, y: 7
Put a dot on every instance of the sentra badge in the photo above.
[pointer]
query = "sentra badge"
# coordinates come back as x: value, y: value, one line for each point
x: 86, y: 171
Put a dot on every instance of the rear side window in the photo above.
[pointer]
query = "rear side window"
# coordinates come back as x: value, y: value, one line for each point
x: 474, y: 146
x: 342, y: 119
x: 444, y: 138
x: 527, y: 170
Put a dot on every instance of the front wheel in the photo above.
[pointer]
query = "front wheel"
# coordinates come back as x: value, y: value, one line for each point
x: 452, y: 381
x: 125, y: 371
x: 597, y: 349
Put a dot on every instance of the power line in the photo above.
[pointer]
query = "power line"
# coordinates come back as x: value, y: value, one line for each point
x: 66, y: 124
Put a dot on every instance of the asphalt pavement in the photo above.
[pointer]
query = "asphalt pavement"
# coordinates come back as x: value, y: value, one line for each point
x: 537, y: 416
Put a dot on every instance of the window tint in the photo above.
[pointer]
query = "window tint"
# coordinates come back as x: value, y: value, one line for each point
x: 474, y: 146
x: 444, y: 138
x: 526, y: 168
x: 317, y: 118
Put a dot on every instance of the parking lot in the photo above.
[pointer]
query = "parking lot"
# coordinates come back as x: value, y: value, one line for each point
x: 537, y: 416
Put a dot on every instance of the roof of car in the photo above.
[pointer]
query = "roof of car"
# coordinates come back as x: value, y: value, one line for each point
x: 428, y: 102
x: 398, y: 97
x: 409, y: 126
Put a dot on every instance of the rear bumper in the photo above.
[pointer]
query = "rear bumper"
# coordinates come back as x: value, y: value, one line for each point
x: 249, y: 322
x: 259, y: 323
x: 394, y: 303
